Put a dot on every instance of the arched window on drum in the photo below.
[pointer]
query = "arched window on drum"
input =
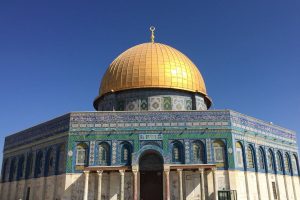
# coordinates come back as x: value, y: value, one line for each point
x: 279, y: 161
x: 29, y: 165
x: 104, y: 153
x: 198, y: 152
x: 50, y: 168
x: 21, y: 166
x: 287, y: 164
x: 219, y: 153
x: 39, y: 164
x: 261, y: 159
x: 177, y: 152
x: 126, y: 150
x: 4, y: 170
x: 60, y: 159
x: 239, y: 155
x: 250, y: 157
x: 295, y: 165
x: 270, y: 157
x: 13, y: 169
x: 82, y: 154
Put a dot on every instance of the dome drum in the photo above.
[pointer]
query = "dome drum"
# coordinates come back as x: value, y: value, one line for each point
x: 150, y: 99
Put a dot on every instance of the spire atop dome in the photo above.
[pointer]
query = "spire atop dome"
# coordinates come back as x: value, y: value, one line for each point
x: 152, y: 29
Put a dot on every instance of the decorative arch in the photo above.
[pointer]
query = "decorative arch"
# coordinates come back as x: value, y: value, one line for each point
x: 295, y: 164
x: 39, y: 164
x: 177, y: 152
x: 151, y: 160
x: 82, y: 154
x: 250, y: 157
x: 60, y: 158
x: 4, y: 169
x: 13, y: 168
x: 154, y: 143
x: 126, y: 151
x: 219, y: 153
x: 50, y: 162
x: 21, y: 166
x: 239, y: 154
x: 287, y: 163
x: 104, y: 154
x: 198, y: 150
x: 261, y: 159
x: 279, y: 161
x: 270, y: 158
x: 29, y: 165
x: 137, y: 155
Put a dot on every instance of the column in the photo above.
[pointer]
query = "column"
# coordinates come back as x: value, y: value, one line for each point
x: 179, y: 171
x: 202, y: 189
x: 247, y: 184
x: 135, y: 184
x: 1, y: 185
x: 258, y: 185
x: 277, y: 187
x: 17, y: 185
x: 9, y: 188
x: 99, y: 172
x: 268, y: 185
x: 215, y: 183
x: 286, y: 189
x: 294, y: 189
x: 55, y: 188
x: 86, y: 185
x: 44, y: 187
x: 167, y: 183
x: 122, y: 174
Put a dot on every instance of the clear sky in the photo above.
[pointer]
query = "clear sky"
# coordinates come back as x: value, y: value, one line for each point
x: 53, y: 55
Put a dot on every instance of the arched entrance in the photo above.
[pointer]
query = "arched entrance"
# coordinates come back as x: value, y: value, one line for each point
x: 151, y: 176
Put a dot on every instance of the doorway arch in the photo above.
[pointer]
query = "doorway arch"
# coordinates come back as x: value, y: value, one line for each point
x: 151, y: 175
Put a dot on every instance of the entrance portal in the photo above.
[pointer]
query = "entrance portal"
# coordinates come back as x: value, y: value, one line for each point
x: 151, y: 176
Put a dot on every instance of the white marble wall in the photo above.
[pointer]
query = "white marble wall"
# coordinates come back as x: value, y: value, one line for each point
x: 40, y: 188
x: 191, y: 184
x: 71, y: 186
x: 174, y: 185
x: 263, y: 186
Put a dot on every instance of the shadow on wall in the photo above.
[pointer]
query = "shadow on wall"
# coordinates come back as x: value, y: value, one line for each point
x: 110, y: 189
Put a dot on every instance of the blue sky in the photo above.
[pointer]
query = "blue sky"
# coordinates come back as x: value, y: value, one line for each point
x: 53, y: 54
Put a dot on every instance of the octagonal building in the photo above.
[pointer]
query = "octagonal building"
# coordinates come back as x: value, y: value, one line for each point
x: 152, y: 137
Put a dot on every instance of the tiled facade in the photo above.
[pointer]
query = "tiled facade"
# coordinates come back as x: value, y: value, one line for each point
x: 50, y: 149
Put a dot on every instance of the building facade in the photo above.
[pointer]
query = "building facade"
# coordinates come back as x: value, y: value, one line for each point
x: 151, y: 137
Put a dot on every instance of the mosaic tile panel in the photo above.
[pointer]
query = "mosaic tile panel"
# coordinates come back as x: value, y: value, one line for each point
x: 178, y: 103
x: 167, y: 103
x: 114, y: 152
x: 230, y: 155
x: 132, y: 105
x: 188, y: 105
x: 92, y: 154
x: 187, y: 151
x: 155, y: 103
x: 200, y: 104
x: 208, y: 151
x: 144, y: 104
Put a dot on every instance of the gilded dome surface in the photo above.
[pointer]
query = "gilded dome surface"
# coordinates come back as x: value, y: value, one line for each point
x: 152, y: 65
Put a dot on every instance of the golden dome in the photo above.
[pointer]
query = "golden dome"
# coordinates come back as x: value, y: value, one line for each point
x: 152, y: 65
